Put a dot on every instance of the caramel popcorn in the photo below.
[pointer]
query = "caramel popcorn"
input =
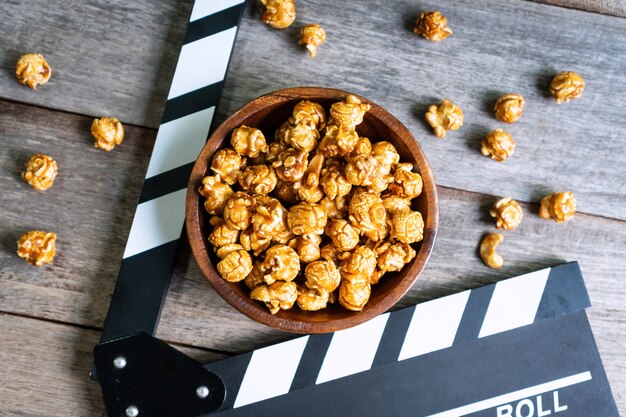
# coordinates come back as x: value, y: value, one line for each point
x: 498, y: 145
x: 310, y: 299
x: 488, y: 250
x: 248, y: 141
x: 255, y: 277
x: 354, y: 296
x: 259, y: 179
x: 235, y: 264
x: 344, y: 236
x: 278, y: 14
x: 286, y: 192
x: 227, y: 163
x: 322, y: 276
x: 281, y: 263
x: 394, y: 203
x: 567, y: 86
x: 238, y: 210
x: 407, y: 226
x: 108, y: 132
x: 37, y: 247
x: 305, y: 218
x: 509, y: 108
x: 222, y: 234
x: 393, y: 256
x: 251, y: 241
x: 269, y: 220
x: 446, y: 116
x: 216, y: 193
x: 350, y: 112
x: 32, y: 70
x: 301, y: 137
x: 559, y: 207
x: 40, y: 172
x: 334, y: 182
x: 432, y: 26
x: 307, y: 247
x: 337, y: 208
x: 338, y: 141
x: 291, y: 165
x: 278, y: 296
x: 368, y: 215
x: 406, y: 183
x: 507, y: 212
x: 344, y: 186
x: 308, y: 113
x: 312, y: 36
x: 386, y: 153
x: 358, y: 265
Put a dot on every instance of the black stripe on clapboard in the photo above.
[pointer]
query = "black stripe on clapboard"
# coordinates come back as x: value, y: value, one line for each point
x: 474, y: 314
x: 165, y: 183
x: 311, y: 361
x: 214, y: 23
x: 565, y: 292
x: 136, y: 301
x: 192, y: 102
x: 393, y: 337
x: 231, y: 372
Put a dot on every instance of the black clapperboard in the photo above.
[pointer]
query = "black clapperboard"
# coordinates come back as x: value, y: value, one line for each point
x: 520, y: 348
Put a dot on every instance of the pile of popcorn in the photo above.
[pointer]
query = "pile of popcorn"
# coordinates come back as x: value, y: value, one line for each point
x: 317, y: 215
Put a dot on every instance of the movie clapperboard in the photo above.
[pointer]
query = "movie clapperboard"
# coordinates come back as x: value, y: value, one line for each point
x: 519, y: 348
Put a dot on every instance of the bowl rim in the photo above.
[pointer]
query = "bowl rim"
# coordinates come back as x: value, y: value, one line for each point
x: 223, y: 288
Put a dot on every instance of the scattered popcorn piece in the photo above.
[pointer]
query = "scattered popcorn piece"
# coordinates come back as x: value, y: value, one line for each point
x: 567, y: 86
x: 559, y: 207
x: 508, y: 213
x: 32, y: 70
x: 312, y: 36
x: 40, y: 172
x: 108, y: 133
x: 278, y: 14
x: 509, y: 108
x: 446, y: 116
x: 498, y: 145
x: 432, y: 26
x: 37, y: 247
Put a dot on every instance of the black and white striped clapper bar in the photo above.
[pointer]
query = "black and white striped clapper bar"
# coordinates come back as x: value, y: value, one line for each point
x: 519, y: 348
x: 148, y: 260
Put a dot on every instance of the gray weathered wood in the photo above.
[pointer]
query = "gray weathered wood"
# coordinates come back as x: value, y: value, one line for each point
x: 45, y: 369
x: 108, y: 58
x: 612, y: 7
x: 91, y: 204
x: 497, y: 47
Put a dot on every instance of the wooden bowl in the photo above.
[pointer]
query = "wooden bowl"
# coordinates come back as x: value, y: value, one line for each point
x: 267, y: 113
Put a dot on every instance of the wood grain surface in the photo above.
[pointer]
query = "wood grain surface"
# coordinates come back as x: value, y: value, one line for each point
x: 50, y: 317
x: 496, y: 48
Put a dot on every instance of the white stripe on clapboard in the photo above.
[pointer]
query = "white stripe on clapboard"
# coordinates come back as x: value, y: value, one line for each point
x: 156, y: 222
x: 270, y: 372
x: 514, y: 302
x: 516, y: 395
x: 203, y: 8
x: 434, y: 325
x: 352, y: 350
x: 180, y: 141
x: 202, y: 63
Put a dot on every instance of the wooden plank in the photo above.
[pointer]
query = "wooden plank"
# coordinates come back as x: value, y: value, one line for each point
x: 46, y: 369
x: 612, y: 7
x: 497, y: 47
x: 108, y: 58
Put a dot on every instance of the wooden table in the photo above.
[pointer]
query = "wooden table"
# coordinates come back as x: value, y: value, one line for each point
x: 117, y: 58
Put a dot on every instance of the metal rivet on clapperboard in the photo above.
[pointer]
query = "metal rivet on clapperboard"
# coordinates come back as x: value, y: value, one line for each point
x: 119, y: 362
x: 132, y: 411
x: 202, y: 391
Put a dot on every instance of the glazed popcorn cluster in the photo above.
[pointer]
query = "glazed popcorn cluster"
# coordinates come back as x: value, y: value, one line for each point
x: 318, y: 215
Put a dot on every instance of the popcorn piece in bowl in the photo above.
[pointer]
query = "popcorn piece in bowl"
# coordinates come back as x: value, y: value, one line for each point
x: 407, y: 226
x: 37, y: 247
x: 310, y: 299
x: 278, y: 296
x: 308, y: 113
x: 322, y: 276
x: 248, y: 141
x: 40, y: 172
x: 235, y: 264
x: 307, y: 247
x: 108, y: 133
x: 238, y: 210
x: 349, y: 112
x: 222, y: 233
x: 227, y: 163
x: 305, y: 218
x: 258, y: 179
x: 368, y: 215
x: 216, y: 194
x: 32, y: 70
x: 281, y: 263
x: 446, y: 116
x: 354, y: 295
x: 312, y: 36
x: 393, y: 256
